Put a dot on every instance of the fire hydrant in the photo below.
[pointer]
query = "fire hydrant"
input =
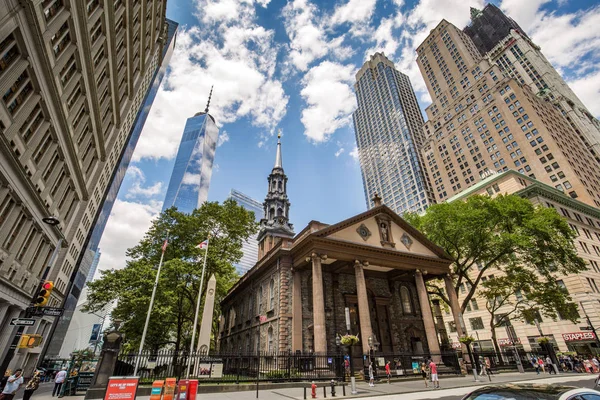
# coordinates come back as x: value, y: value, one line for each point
x: 313, y: 388
x: 332, y: 388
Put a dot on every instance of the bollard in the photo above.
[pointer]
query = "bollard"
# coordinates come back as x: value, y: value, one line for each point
x: 324, y: 391
x: 332, y: 388
x: 344, y: 389
x: 304, y: 392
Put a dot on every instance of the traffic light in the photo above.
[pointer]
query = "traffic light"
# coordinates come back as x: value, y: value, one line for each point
x: 29, y: 341
x: 44, y: 294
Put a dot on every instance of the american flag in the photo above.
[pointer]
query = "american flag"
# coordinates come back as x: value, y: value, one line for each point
x: 203, y: 245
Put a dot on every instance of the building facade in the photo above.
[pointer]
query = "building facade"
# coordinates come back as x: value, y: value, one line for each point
x: 250, y: 246
x: 190, y: 180
x: 388, y: 126
x: 584, y: 288
x: 483, y: 119
x: 75, y: 77
x: 499, y: 39
x: 295, y: 296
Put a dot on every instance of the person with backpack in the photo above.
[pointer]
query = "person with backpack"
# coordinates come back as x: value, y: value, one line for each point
x: 32, y: 385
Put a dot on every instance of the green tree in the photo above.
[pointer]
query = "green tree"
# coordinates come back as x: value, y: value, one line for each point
x: 518, y: 294
x: 484, y: 234
x: 172, y: 316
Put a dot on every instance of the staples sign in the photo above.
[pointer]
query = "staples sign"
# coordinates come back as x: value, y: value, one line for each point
x: 573, y: 337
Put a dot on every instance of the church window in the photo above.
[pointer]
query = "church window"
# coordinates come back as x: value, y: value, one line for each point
x: 280, y: 212
x: 406, y: 303
x: 260, y: 300
x: 270, y: 340
x: 271, y: 213
x: 251, y: 306
x: 271, y: 294
x: 279, y: 185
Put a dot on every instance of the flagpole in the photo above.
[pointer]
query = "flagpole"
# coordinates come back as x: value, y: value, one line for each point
x: 197, y: 309
x: 162, y: 255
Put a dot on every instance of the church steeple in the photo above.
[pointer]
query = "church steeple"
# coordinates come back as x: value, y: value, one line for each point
x: 275, y: 224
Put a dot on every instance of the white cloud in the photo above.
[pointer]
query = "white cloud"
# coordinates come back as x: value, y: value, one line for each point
x: 330, y: 99
x: 354, y: 153
x: 356, y: 12
x: 190, y: 179
x: 339, y: 152
x: 137, y: 189
x: 588, y: 90
x: 223, y: 137
x: 125, y: 228
x: 230, y: 51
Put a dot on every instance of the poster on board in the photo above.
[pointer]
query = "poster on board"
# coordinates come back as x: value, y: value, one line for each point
x: 121, y: 388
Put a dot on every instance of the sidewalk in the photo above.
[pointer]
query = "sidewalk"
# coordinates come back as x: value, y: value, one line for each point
x: 450, y: 386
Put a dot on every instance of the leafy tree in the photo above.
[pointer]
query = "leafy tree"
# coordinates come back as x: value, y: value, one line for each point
x: 519, y: 294
x: 506, y: 233
x: 171, y: 322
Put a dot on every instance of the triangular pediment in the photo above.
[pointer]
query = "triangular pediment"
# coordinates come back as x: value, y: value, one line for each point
x: 381, y: 227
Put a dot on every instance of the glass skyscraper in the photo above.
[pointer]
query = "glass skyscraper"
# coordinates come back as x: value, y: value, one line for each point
x: 249, y: 247
x: 388, y: 127
x: 190, y: 180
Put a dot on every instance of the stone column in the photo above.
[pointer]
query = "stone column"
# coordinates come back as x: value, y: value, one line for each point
x: 432, y: 340
x: 363, y: 306
x: 318, y: 306
x: 454, y: 306
x: 297, y: 311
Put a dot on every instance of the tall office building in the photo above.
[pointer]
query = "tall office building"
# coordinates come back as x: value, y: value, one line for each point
x: 388, y: 127
x: 501, y: 40
x: 76, y: 77
x: 250, y: 246
x: 484, y: 118
x: 190, y: 180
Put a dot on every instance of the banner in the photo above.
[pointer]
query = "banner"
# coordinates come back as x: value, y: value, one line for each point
x: 95, y: 333
x: 121, y: 388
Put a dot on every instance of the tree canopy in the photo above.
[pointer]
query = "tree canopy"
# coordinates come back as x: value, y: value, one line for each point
x: 172, y: 316
x: 530, y: 245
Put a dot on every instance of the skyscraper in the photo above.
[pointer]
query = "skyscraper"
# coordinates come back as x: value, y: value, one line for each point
x: 190, y: 180
x: 499, y: 38
x: 487, y: 116
x: 75, y: 78
x: 388, y: 127
x: 250, y: 246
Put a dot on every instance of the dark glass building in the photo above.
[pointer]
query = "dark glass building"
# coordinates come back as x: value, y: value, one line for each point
x: 190, y: 180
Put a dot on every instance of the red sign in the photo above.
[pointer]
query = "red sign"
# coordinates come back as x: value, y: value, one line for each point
x: 577, y: 336
x: 121, y: 389
x: 262, y: 318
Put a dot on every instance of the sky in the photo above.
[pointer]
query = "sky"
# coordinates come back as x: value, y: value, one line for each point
x: 291, y: 65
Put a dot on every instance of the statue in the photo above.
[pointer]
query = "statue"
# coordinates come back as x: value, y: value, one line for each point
x: 384, y: 232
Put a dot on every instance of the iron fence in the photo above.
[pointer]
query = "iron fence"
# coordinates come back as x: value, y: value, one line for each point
x: 272, y: 367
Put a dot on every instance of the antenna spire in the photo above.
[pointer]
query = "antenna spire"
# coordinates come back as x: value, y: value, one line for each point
x: 209, y: 96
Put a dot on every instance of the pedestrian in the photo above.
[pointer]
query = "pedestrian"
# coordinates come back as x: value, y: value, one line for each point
x: 482, y: 366
x: 13, y: 383
x: 7, y: 374
x: 535, y: 364
x: 32, y: 385
x: 371, y: 377
x: 58, y: 381
x: 550, y: 365
x: 434, y: 374
x: 388, y: 372
x: 424, y: 374
x: 347, y: 365
x: 541, y: 363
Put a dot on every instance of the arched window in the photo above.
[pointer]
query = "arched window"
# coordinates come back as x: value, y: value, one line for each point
x: 271, y: 294
x: 260, y: 300
x: 270, y: 340
x: 406, y: 303
x: 280, y: 212
x: 257, y: 342
x: 279, y: 185
x: 271, y: 213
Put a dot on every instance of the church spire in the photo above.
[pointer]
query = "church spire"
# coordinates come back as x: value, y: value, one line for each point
x: 209, y: 96
x: 275, y: 225
x: 278, y: 163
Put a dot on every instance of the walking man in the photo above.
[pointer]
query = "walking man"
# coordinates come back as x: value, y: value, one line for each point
x: 58, y: 381
x: 435, y: 381
x: 13, y: 383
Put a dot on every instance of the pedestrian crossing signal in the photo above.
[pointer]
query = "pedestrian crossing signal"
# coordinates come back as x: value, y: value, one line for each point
x: 29, y: 341
x: 44, y: 294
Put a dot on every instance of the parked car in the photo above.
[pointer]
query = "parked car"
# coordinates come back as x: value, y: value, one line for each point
x: 532, y: 392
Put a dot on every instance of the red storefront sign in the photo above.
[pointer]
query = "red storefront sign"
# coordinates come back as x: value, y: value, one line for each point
x: 508, y: 342
x: 121, y: 389
x: 578, y: 336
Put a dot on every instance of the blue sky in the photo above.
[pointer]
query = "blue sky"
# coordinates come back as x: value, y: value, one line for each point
x: 290, y: 65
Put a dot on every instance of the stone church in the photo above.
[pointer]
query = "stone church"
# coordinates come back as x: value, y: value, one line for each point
x: 295, y: 297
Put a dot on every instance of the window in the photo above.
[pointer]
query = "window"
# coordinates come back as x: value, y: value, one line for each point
x: 271, y: 294
x: 260, y: 300
x: 406, y: 303
x: 451, y: 327
x: 270, y: 340
x: 476, y: 323
x: 474, y: 305
x: 251, y: 306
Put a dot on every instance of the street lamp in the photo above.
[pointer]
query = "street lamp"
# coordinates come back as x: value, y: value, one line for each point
x: 52, y: 221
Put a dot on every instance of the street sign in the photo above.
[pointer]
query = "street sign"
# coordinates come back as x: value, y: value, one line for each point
x: 22, y: 322
x: 585, y: 328
x: 52, y: 311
